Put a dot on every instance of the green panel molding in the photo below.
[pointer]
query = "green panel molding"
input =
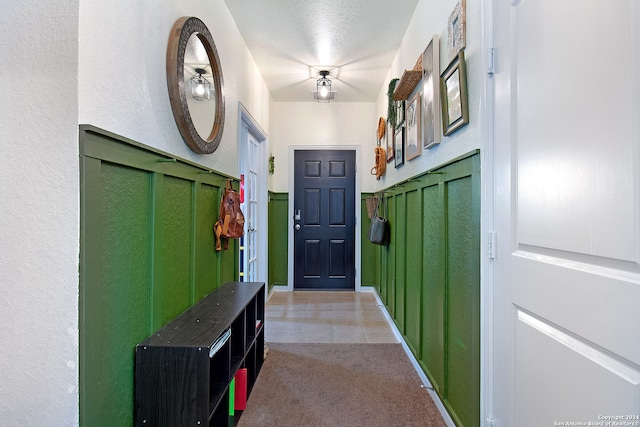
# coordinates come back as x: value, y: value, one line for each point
x: 429, y: 278
x: 146, y: 254
x: 369, y: 252
x: 278, y: 239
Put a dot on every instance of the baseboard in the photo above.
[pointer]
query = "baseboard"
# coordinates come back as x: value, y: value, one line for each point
x: 277, y: 288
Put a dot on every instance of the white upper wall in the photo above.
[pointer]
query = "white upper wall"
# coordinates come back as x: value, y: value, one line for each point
x: 122, y: 77
x: 431, y: 17
x: 64, y: 63
x: 39, y: 213
x: 320, y: 124
x: 344, y: 123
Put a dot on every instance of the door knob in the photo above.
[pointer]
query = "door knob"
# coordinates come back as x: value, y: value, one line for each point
x: 297, y: 226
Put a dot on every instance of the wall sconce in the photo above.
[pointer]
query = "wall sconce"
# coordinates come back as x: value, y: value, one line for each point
x: 200, y: 87
x: 324, y: 94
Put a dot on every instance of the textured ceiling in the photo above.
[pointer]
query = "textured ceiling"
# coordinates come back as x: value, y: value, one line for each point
x: 292, y: 40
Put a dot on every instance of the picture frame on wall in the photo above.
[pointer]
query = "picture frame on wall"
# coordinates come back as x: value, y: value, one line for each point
x: 399, y: 114
x: 456, y: 29
x: 390, y: 138
x: 430, y: 111
x: 455, y: 102
x: 398, y: 146
x: 413, y: 144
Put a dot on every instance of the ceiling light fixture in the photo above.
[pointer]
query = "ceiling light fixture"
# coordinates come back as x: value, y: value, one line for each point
x: 324, y: 93
x: 200, y: 87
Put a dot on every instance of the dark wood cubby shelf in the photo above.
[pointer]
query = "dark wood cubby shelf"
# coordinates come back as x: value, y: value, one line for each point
x: 183, y: 371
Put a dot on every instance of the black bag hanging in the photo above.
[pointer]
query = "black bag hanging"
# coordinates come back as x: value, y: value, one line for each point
x: 379, y: 230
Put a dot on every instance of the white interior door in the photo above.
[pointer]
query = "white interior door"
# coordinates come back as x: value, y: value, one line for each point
x: 566, y: 191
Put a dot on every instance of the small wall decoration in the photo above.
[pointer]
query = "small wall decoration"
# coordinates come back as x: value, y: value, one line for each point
x: 412, y: 125
x: 457, y: 29
x: 272, y: 166
x: 430, y: 111
x: 398, y: 146
x: 390, y: 138
x: 455, y: 103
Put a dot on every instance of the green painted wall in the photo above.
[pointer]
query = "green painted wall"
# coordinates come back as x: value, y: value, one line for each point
x: 429, y: 278
x: 278, y: 239
x: 369, y: 253
x: 146, y: 254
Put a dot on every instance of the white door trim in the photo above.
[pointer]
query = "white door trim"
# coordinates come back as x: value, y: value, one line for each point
x: 292, y: 150
x: 487, y: 236
x: 248, y: 125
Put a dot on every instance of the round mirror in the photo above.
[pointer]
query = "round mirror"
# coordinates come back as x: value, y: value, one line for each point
x: 194, y: 79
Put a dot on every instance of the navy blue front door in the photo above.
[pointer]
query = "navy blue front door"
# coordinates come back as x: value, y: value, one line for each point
x: 324, y: 219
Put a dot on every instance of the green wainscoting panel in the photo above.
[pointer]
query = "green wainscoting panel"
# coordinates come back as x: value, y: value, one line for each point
x: 146, y: 254
x: 430, y: 278
x: 207, y: 205
x: 278, y: 239
x: 173, y: 212
x: 384, y: 274
x: 400, y: 225
x: 463, y: 300
x: 391, y: 252
x: 433, y: 285
x: 116, y: 230
x: 369, y: 252
x: 413, y: 259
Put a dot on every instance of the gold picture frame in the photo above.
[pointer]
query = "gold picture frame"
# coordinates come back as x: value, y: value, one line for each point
x: 390, y: 140
x: 456, y: 29
x: 413, y: 143
x: 430, y: 108
x: 455, y: 101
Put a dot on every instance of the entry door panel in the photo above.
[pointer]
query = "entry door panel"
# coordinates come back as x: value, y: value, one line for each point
x: 324, y: 219
x: 567, y: 212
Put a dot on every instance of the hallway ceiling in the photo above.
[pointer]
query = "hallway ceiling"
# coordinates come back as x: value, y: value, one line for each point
x: 292, y: 40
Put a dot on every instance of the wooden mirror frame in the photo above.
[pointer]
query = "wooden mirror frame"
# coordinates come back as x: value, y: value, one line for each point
x: 182, y: 30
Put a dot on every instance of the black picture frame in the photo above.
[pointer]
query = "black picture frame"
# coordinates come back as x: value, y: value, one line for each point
x: 398, y: 146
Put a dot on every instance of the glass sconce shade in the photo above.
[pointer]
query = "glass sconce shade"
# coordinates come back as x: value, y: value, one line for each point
x: 200, y: 87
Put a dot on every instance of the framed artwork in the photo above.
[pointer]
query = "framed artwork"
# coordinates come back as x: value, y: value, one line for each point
x: 455, y: 102
x: 398, y: 146
x: 430, y: 111
x: 456, y: 29
x: 390, y: 138
x: 413, y: 143
x: 399, y: 114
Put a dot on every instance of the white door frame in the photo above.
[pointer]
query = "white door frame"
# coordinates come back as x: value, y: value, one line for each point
x: 248, y: 125
x: 486, y: 216
x: 292, y: 150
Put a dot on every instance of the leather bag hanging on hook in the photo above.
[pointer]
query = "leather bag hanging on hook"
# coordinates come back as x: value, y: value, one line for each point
x: 230, y: 223
x: 379, y: 230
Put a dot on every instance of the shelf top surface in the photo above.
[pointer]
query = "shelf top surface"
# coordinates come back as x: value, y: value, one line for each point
x: 204, y: 322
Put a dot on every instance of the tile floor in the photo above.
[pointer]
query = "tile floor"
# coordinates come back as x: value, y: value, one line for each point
x: 326, y: 317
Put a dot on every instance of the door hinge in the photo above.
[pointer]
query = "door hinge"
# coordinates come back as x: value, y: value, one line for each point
x: 492, y: 242
x: 490, y: 60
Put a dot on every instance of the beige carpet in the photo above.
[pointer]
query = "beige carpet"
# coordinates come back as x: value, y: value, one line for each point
x: 329, y: 385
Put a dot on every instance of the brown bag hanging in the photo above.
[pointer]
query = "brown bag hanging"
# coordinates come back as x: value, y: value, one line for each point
x: 381, y: 154
x: 230, y: 223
